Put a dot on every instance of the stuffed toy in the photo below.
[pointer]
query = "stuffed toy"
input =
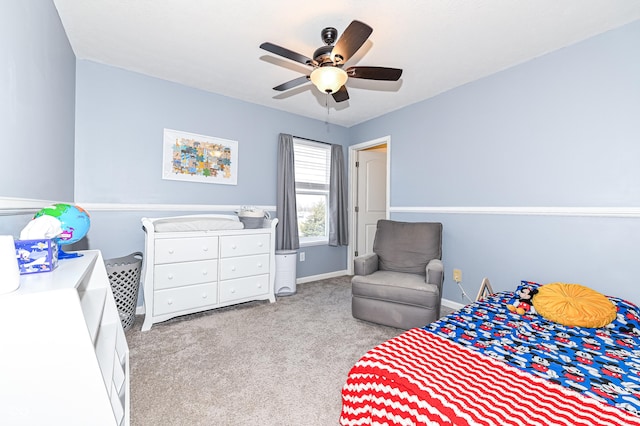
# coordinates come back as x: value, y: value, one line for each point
x: 524, y: 303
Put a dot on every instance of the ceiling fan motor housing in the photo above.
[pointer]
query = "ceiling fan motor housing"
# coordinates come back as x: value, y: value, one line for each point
x: 322, y: 55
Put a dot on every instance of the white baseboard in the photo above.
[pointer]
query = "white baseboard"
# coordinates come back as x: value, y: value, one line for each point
x: 321, y: 276
x: 451, y: 304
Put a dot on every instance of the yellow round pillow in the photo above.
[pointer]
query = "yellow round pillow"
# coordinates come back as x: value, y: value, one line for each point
x: 574, y: 305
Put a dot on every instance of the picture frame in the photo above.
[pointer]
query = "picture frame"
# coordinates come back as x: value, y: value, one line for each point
x: 191, y: 157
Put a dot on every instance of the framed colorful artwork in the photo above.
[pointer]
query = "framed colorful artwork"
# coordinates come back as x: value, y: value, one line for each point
x: 197, y: 158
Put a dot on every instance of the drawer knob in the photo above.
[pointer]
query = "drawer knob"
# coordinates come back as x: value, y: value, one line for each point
x: 234, y: 246
x: 233, y: 290
x: 260, y: 244
x: 169, y: 301
x: 233, y: 268
x: 170, y: 276
x: 170, y: 251
x: 259, y: 285
x: 205, y: 272
x: 205, y: 248
x: 259, y: 265
x: 204, y: 295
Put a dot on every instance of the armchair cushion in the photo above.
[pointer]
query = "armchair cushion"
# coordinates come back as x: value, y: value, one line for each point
x: 407, y: 246
x: 409, y: 289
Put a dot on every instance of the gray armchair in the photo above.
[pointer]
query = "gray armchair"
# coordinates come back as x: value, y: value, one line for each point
x: 400, y: 284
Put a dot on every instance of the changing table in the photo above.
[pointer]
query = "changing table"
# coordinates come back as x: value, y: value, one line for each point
x: 195, y: 263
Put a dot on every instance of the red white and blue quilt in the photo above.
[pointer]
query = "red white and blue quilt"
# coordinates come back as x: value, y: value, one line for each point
x: 484, y: 365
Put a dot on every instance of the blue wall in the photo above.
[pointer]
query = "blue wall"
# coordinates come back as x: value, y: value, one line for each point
x: 119, y: 131
x: 37, y: 86
x: 558, y: 131
x: 120, y: 117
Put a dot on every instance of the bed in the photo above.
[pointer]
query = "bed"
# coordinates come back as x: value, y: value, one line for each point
x: 486, y: 365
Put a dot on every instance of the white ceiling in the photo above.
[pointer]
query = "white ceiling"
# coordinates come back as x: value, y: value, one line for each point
x: 213, y: 45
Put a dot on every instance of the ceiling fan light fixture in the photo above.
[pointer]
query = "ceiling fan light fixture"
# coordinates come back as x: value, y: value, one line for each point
x: 327, y: 73
x: 328, y: 79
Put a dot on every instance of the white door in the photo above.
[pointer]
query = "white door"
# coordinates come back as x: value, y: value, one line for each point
x: 371, y: 196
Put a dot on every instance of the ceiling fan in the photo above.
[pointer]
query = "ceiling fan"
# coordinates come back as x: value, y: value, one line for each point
x: 327, y: 63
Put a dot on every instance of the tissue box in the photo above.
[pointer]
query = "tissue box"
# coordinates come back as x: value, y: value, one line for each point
x: 36, y: 256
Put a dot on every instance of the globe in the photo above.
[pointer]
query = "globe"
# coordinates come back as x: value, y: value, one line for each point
x: 74, y: 221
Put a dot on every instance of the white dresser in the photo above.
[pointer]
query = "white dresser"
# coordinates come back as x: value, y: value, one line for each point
x: 192, y: 263
x: 64, y: 359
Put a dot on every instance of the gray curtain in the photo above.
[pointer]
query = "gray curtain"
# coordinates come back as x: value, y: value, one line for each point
x: 338, y: 221
x: 287, y: 229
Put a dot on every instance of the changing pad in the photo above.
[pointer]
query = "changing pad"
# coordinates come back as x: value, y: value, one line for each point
x: 185, y: 224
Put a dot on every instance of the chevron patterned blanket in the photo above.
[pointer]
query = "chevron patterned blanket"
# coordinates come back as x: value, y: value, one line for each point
x: 445, y: 375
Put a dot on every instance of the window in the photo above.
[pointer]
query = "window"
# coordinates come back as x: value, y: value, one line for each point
x: 312, y: 168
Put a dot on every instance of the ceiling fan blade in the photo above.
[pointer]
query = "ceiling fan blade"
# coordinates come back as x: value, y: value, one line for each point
x: 291, y: 84
x: 289, y: 54
x: 341, y: 95
x: 374, y: 73
x: 352, y: 38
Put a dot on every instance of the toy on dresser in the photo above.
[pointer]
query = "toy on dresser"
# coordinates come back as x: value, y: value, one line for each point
x: 41, y: 240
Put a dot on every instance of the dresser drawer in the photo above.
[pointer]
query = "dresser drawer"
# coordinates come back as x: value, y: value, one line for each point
x: 172, y: 275
x: 185, y: 249
x: 182, y: 298
x: 244, y: 287
x: 236, y: 267
x: 244, y: 245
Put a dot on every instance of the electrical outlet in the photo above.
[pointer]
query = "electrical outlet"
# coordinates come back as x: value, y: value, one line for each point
x: 457, y: 275
x: 302, y: 256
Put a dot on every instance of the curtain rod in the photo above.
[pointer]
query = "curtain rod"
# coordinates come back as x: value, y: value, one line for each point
x: 311, y: 140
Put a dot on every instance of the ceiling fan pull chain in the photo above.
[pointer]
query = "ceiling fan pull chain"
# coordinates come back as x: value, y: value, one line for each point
x: 326, y: 103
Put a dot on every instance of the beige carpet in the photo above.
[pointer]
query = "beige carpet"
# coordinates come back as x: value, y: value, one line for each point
x: 253, y: 364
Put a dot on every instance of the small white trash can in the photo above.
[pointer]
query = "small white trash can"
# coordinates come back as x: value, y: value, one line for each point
x: 285, y: 281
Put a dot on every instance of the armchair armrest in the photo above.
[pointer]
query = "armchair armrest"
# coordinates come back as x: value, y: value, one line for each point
x: 435, y: 272
x: 365, y: 265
